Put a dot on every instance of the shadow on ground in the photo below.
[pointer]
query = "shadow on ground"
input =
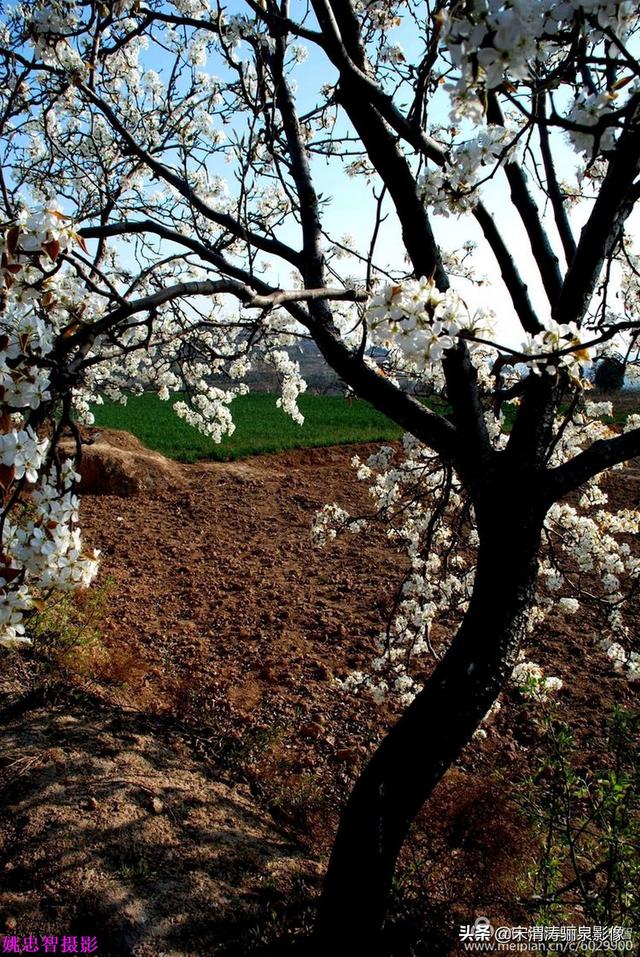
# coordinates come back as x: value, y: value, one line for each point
x: 111, y: 827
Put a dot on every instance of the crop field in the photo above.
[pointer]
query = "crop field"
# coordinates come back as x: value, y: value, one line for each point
x: 260, y: 426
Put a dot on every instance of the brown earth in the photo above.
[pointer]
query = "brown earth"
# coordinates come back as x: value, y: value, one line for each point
x: 202, y: 716
x: 118, y: 833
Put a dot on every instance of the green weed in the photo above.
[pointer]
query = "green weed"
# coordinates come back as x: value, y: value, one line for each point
x: 66, y: 634
x: 588, y: 818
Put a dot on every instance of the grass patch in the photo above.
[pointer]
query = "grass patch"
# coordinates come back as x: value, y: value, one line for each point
x: 260, y: 426
x: 67, y: 636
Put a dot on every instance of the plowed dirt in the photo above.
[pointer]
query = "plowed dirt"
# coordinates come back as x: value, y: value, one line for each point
x: 211, y: 684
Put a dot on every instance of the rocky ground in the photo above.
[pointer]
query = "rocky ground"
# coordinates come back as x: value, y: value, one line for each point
x: 172, y: 776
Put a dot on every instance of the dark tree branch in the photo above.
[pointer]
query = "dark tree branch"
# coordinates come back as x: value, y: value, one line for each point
x: 368, y: 382
x: 600, y: 456
x: 533, y: 425
x: 380, y: 143
x: 227, y: 222
x: 312, y: 259
x: 545, y: 258
x: 513, y: 281
x: 555, y: 194
x: 396, y: 174
x: 475, y: 451
x: 284, y: 24
x: 602, y: 230
x: 209, y: 287
x: 207, y: 254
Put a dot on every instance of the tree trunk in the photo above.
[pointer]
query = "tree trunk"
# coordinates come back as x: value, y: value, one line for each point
x: 428, y: 738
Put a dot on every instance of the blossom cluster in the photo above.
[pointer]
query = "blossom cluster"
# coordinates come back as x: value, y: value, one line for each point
x: 422, y: 504
x: 292, y: 383
x: 588, y: 559
x: 558, y: 347
x: 454, y: 187
x: 420, y: 321
x: 495, y: 45
x: 41, y: 547
x: 531, y: 680
x: 502, y: 40
x: 51, y: 27
x: 624, y: 661
x: 208, y: 406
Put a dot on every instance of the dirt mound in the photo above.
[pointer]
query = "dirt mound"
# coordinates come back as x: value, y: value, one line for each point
x: 132, y: 839
x: 116, y: 463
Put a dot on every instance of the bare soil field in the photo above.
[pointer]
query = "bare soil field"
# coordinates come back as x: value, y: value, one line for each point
x: 172, y: 775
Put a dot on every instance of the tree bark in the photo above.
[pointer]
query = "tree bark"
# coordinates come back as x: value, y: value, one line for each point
x: 429, y: 736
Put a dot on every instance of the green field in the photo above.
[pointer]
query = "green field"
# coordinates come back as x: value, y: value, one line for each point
x: 260, y: 426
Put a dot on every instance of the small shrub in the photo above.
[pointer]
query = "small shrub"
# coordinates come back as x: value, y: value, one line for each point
x: 588, y: 818
x: 66, y: 634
